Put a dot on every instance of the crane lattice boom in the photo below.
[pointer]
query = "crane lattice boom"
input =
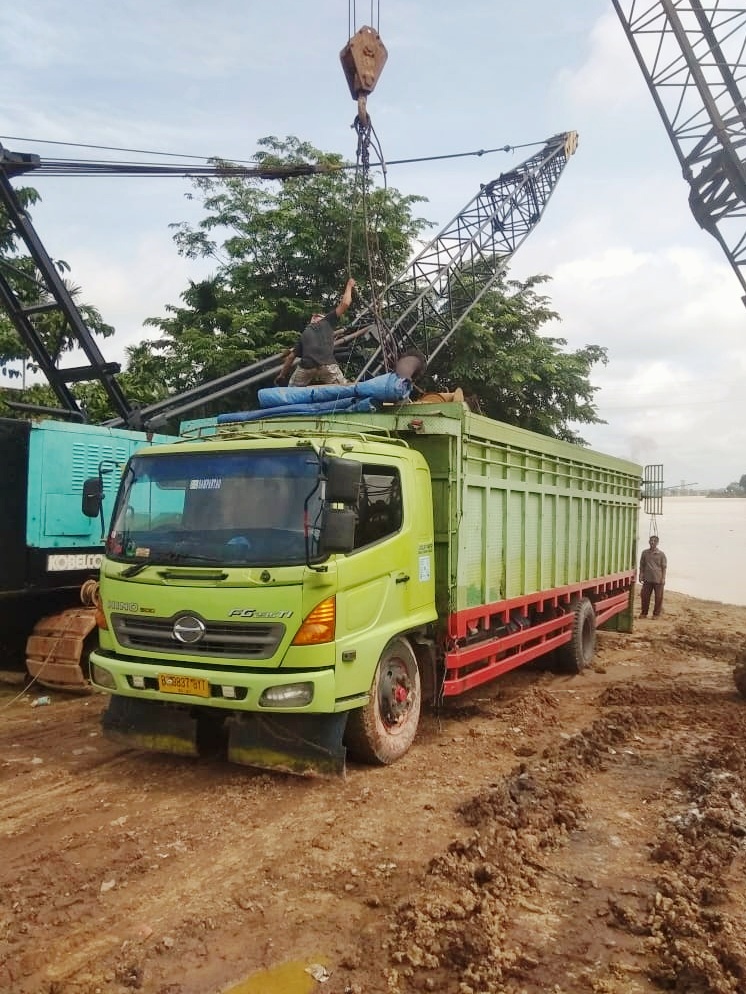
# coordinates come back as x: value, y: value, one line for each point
x: 692, y: 57
x: 424, y: 306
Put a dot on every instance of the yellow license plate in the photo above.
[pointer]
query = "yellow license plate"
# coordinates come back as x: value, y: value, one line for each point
x: 191, y: 685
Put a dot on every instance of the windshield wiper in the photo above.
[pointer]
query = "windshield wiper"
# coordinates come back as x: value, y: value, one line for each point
x: 134, y: 570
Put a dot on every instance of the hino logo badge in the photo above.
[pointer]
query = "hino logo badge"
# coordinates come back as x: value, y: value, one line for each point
x: 189, y: 629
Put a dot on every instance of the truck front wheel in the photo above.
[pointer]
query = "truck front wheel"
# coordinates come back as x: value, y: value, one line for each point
x: 577, y: 655
x: 383, y: 730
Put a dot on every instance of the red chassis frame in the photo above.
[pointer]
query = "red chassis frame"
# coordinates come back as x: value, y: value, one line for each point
x: 470, y: 662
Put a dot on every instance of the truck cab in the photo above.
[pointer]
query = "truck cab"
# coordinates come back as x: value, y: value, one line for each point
x: 264, y: 577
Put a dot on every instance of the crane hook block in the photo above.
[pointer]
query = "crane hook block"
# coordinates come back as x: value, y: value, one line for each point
x: 363, y: 59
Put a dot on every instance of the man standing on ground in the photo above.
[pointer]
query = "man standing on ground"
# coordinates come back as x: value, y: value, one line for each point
x: 315, y: 348
x: 653, y: 565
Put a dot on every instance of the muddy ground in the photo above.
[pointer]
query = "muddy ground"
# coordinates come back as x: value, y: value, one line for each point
x: 548, y: 834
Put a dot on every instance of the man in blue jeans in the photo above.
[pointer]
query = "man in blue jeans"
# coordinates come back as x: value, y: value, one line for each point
x: 653, y: 565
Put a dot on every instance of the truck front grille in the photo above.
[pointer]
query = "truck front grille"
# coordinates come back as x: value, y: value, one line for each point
x: 242, y: 641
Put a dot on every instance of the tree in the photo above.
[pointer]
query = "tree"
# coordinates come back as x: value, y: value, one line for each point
x: 514, y: 373
x: 283, y: 249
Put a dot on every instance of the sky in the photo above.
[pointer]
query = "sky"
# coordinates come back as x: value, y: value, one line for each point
x: 630, y: 268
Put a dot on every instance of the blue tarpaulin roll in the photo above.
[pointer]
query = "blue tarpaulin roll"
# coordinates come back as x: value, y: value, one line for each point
x: 358, y: 404
x: 387, y: 388
x: 326, y: 398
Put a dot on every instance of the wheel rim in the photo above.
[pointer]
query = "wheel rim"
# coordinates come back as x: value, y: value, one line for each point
x: 395, y: 695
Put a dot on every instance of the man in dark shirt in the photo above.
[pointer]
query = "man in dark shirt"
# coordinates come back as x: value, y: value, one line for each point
x: 315, y: 348
x: 653, y: 565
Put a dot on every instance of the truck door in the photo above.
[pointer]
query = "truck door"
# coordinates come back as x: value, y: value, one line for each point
x: 386, y: 583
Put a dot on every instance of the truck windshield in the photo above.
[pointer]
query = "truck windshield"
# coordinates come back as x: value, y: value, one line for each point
x: 237, y: 508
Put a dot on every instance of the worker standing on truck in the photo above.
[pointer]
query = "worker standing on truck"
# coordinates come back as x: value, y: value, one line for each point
x: 315, y: 348
x: 653, y: 564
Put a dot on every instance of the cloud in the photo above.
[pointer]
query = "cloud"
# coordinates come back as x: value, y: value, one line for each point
x: 608, y: 79
x: 129, y: 291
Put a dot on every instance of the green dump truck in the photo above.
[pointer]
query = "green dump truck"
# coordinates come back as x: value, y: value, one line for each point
x: 290, y: 589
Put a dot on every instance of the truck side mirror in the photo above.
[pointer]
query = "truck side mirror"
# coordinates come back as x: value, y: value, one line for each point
x: 343, y: 480
x: 338, y: 530
x: 93, y: 495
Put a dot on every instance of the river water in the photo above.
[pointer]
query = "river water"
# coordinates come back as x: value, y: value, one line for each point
x: 704, y: 539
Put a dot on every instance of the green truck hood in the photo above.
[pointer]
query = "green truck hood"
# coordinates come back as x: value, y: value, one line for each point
x: 247, y: 619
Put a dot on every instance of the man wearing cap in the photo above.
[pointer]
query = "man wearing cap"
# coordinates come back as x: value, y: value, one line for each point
x: 315, y: 348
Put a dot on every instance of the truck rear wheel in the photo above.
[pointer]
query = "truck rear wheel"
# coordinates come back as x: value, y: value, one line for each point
x: 383, y: 730
x: 577, y: 655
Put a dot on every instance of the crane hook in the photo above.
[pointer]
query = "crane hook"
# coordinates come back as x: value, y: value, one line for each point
x: 363, y: 59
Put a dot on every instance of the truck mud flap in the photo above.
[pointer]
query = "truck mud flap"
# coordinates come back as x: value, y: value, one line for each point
x: 150, y: 725
x: 307, y: 745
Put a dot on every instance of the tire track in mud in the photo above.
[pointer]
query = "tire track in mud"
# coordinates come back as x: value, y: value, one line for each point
x: 603, y: 856
x: 695, y: 924
x: 609, y: 864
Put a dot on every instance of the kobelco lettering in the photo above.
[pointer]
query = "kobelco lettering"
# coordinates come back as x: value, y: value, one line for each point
x: 73, y: 561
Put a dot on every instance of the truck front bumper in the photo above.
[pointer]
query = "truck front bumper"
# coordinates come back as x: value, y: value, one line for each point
x: 268, y: 692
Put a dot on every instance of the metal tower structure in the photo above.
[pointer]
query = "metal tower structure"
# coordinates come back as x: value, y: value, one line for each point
x: 52, y: 295
x: 424, y: 306
x: 692, y: 57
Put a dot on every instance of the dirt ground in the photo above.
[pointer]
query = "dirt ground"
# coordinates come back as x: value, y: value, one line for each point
x: 547, y: 834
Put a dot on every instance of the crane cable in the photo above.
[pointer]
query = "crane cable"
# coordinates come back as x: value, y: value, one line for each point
x: 377, y: 270
x: 375, y: 262
x: 352, y: 16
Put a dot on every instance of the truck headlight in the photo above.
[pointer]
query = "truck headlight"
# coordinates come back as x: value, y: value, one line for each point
x: 102, y: 677
x: 290, y: 695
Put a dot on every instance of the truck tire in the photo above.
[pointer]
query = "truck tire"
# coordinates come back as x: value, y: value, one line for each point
x: 577, y: 655
x: 383, y: 730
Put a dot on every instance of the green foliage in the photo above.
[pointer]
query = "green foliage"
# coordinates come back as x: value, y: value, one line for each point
x: 511, y: 371
x: 283, y: 250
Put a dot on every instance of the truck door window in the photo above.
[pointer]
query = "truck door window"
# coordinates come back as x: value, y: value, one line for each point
x: 380, y: 507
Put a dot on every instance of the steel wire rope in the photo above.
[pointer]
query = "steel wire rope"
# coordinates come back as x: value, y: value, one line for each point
x: 352, y: 16
x: 350, y: 233
x: 20, y: 695
x: 380, y: 256
x: 360, y: 181
x: 377, y: 269
x: 60, y: 167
